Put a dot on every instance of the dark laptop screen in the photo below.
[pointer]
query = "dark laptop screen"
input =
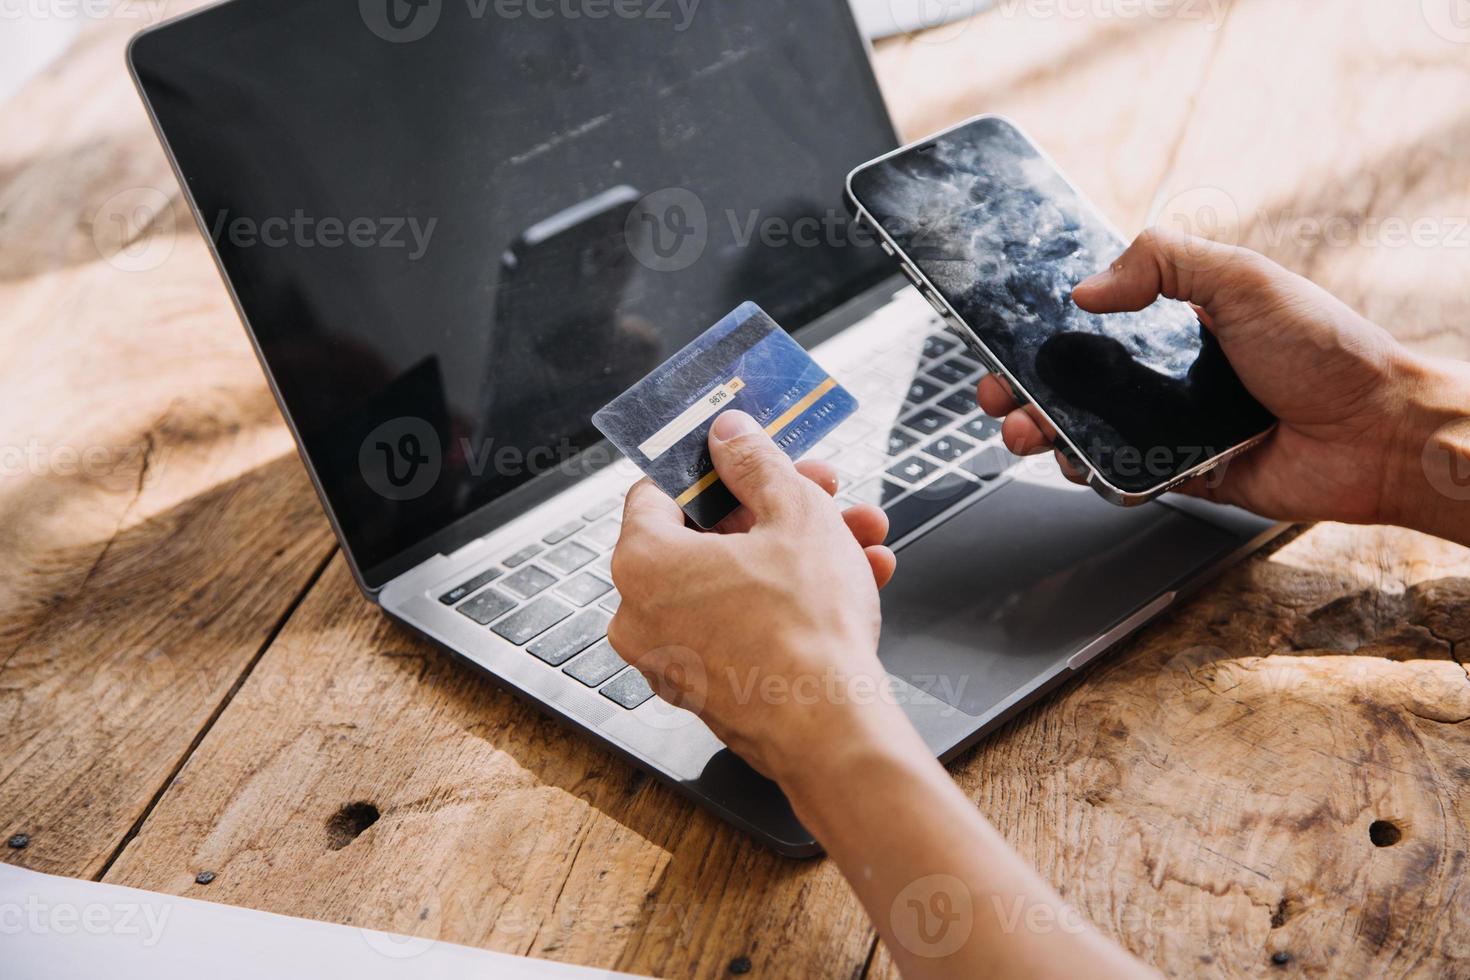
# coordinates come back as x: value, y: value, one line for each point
x: 459, y: 227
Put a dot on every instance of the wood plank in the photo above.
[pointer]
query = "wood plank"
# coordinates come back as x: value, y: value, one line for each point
x: 495, y: 826
x: 156, y: 524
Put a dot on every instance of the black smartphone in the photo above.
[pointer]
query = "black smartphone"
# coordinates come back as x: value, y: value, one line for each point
x: 995, y: 237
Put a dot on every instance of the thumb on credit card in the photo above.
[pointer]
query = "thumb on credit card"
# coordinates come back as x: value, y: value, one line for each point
x: 753, y: 468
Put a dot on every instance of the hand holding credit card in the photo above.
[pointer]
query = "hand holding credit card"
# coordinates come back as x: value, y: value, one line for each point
x: 746, y: 362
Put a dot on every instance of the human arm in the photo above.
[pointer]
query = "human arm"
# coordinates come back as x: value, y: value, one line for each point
x: 774, y: 645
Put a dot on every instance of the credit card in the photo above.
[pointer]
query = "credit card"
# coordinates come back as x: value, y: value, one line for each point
x: 746, y: 362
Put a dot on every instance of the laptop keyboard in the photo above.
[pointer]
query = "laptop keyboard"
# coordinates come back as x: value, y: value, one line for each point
x: 555, y: 597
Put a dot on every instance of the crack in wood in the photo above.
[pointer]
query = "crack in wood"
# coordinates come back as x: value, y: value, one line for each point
x: 214, y: 716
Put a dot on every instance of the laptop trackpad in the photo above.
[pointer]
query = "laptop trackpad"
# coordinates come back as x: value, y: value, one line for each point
x: 999, y: 597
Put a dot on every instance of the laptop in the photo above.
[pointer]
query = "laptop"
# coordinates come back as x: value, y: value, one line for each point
x: 455, y: 230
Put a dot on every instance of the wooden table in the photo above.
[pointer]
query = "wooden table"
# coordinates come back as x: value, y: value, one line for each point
x: 1272, y: 777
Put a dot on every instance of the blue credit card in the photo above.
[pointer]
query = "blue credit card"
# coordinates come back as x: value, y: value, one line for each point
x: 745, y: 361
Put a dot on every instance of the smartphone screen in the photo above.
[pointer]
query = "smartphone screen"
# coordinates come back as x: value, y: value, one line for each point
x: 1003, y: 236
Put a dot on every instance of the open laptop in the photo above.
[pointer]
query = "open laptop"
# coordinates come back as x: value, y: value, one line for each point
x: 454, y: 231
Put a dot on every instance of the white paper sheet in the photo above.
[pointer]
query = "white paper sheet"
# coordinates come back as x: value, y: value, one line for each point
x: 63, y: 929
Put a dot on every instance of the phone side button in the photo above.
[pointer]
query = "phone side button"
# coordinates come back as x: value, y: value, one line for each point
x: 1084, y: 656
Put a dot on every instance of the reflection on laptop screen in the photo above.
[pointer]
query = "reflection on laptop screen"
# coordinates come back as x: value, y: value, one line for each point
x: 458, y: 228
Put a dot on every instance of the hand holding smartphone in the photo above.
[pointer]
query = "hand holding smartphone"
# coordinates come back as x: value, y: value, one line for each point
x: 996, y: 238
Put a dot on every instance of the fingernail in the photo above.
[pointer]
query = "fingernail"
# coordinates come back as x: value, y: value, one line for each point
x: 733, y: 425
x: 1097, y: 278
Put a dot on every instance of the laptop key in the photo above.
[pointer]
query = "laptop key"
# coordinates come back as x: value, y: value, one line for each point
x: 981, y: 428
x: 565, y: 531
x: 859, y: 461
x: 937, y: 346
x: 953, y: 370
x: 961, y: 401
x: 488, y: 606
x: 602, y: 536
x: 529, y: 581
x: 912, y: 470
x: 921, y: 507
x: 928, y: 421
x: 899, y: 441
x: 852, y: 431
x: 989, y: 462
x: 524, y: 626
x: 569, y: 557
x: 949, y: 448
x: 629, y: 689
x: 571, y: 637
x: 969, y: 357
x: 612, y: 602
x: 596, y: 666
x: 877, y: 491
x: 473, y: 585
x: 585, y: 588
x: 921, y: 391
x: 524, y: 555
x: 602, y: 509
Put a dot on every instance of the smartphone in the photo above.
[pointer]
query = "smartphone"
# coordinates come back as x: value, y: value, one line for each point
x: 995, y: 237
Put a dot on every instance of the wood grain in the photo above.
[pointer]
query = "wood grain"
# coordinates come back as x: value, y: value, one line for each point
x: 1205, y: 795
x: 1343, y: 159
x: 156, y: 524
x: 495, y: 827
